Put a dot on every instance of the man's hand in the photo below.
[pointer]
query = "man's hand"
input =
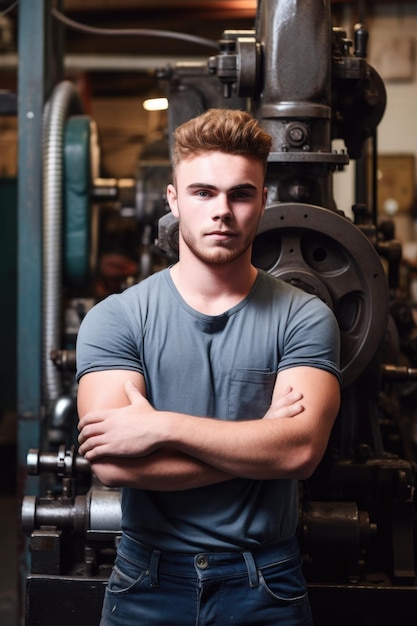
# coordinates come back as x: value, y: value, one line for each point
x: 125, y: 432
x: 285, y: 404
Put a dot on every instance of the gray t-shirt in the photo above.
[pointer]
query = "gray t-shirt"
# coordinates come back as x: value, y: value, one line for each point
x: 221, y: 366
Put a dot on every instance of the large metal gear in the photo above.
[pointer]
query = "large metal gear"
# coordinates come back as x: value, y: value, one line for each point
x: 324, y: 253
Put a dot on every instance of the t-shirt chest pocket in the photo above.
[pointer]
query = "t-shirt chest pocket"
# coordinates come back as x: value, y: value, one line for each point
x: 250, y: 393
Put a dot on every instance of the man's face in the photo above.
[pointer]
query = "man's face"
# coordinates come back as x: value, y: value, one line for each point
x: 218, y: 199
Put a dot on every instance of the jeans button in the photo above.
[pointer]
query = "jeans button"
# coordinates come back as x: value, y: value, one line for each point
x: 202, y: 561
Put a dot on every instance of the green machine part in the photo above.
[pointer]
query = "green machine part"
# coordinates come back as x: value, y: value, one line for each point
x: 8, y: 281
x: 77, y: 190
x: 8, y: 337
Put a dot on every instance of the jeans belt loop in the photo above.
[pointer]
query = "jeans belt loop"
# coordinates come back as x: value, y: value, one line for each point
x: 252, y: 569
x: 153, y: 568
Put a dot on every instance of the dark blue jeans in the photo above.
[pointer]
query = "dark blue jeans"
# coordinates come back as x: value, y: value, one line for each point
x: 264, y: 587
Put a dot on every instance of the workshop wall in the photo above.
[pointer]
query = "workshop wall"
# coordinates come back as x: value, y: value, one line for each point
x: 392, y: 52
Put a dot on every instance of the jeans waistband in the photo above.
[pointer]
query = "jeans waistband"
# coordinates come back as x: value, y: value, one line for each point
x: 206, y: 564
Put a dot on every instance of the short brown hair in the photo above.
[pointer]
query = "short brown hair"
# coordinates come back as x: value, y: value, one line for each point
x: 225, y: 130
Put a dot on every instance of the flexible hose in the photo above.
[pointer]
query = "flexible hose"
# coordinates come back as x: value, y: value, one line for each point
x: 65, y: 100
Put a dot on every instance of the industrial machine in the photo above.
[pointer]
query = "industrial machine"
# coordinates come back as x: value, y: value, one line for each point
x: 308, y: 84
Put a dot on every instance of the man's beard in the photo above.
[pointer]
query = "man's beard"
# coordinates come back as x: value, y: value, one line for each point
x: 218, y: 254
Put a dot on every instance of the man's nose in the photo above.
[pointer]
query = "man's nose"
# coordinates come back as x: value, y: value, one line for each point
x: 222, y: 208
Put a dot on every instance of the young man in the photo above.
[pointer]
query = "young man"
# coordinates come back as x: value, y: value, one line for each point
x: 207, y: 391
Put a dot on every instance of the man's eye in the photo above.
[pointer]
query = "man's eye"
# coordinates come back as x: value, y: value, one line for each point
x: 202, y: 193
x: 241, y: 195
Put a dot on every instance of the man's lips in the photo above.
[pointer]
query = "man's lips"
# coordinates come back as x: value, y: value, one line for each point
x: 221, y: 233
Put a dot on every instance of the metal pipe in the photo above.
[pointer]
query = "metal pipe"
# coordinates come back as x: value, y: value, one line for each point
x: 64, y: 100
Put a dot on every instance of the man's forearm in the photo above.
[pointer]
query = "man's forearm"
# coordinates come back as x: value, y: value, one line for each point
x: 163, y: 470
x: 259, y: 449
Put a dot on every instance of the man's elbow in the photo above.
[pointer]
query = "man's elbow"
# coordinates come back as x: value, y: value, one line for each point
x: 107, y: 474
x: 306, y: 471
x: 306, y: 462
x: 311, y: 452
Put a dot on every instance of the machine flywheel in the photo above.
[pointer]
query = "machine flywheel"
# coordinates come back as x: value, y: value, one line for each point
x: 323, y: 252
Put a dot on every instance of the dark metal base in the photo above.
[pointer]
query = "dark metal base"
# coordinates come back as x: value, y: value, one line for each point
x: 70, y: 601
x: 363, y: 605
x: 63, y: 601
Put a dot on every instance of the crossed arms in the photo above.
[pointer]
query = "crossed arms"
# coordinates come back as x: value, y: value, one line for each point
x: 130, y: 444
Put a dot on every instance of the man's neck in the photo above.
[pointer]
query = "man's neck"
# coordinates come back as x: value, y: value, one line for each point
x: 213, y: 289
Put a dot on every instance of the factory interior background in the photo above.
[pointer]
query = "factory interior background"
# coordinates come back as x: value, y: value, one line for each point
x: 115, y: 76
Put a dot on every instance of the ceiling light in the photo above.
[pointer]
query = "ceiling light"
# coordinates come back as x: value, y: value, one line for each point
x: 155, y: 104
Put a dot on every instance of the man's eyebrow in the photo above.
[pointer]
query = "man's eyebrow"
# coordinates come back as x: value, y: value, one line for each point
x: 234, y: 188
x: 200, y: 185
x: 244, y: 186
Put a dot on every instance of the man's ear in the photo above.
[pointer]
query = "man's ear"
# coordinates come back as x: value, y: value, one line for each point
x: 172, y: 199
